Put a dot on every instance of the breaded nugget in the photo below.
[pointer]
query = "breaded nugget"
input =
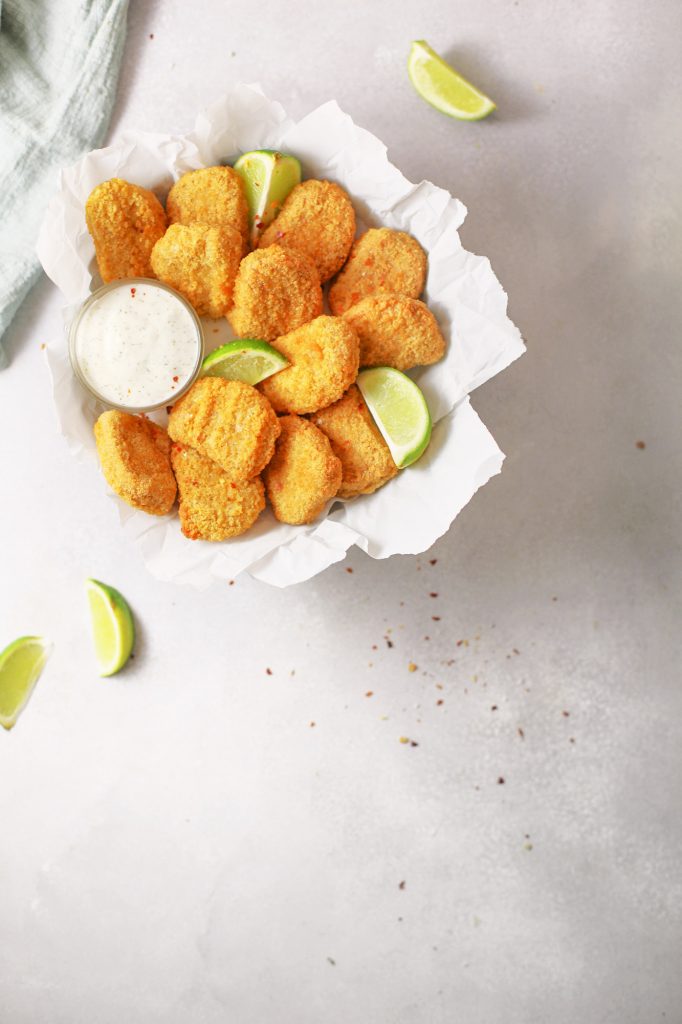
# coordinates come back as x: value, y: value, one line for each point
x: 213, y: 196
x: 201, y: 263
x: 276, y: 291
x: 227, y: 421
x: 396, y: 331
x: 125, y: 222
x: 323, y: 357
x: 381, y: 260
x: 213, y: 507
x: 365, y: 456
x: 317, y: 219
x: 134, y: 455
x: 304, y: 472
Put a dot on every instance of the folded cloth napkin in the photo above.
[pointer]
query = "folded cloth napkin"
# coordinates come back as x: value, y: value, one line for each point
x: 59, y: 66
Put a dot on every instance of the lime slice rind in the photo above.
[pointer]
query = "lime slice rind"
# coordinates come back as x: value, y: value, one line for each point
x: 113, y: 628
x: 247, y: 359
x: 268, y: 177
x: 399, y: 410
x: 440, y: 85
x: 21, y: 665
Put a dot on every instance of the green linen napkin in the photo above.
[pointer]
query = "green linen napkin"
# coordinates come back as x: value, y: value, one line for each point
x: 59, y: 62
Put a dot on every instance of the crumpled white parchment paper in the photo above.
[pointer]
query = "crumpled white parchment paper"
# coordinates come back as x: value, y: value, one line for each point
x: 418, y: 506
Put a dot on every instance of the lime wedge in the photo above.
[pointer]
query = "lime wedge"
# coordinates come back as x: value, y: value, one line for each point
x: 399, y: 410
x: 441, y: 86
x: 113, y: 628
x: 246, y: 359
x: 20, y: 666
x: 268, y: 178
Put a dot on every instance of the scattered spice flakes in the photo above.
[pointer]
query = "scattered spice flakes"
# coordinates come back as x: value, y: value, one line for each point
x: 572, y: 740
x: 375, y: 647
x: 641, y: 445
x: 555, y: 598
x: 427, y: 637
x: 462, y: 643
x: 402, y: 885
x: 433, y: 595
x: 500, y: 781
x: 231, y: 583
x: 348, y: 569
x: 515, y: 650
x: 439, y: 702
x: 566, y: 714
x: 432, y: 561
x: 435, y: 618
x: 312, y: 725
x: 528, y: 846
x: 439, y: 686
x: 404, y: 739
x: 370, y: 693
x: 412, y: 667
x: 43, y: 346
x: 216, y: 330
x: 413, y: 743
x: 268, y: 671
x: 151, y: 35
x: 494, y: 707
x: 389, y: 643
x: 521, y: 733
x: 329, y: 959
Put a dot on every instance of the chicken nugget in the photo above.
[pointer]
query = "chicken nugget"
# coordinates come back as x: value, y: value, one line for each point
x: 201, y: 263
x: 365, y: 456
x: 125, y: 222
x: 213, y: 507
x: 135, y: 457
x: 323, y: 357
x: 276, y: 291
x: 317, y: 219
x: 227, y: 421
x: 213, y: 196
x: 396, y: 331
x: 381, y: 260
x: 304, y: 472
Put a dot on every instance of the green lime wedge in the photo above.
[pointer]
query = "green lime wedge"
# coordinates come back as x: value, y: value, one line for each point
x: 113, y: 628
x: 399, y: 410
x: 268, y: 178
x: 20, y: 666
x: 246, y: 359
x: 441, y: 86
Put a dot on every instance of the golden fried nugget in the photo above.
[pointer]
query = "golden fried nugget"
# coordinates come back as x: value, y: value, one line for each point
x: 381, y: 260
x: 276, y: 291
x: 227, y: 421
x: 317, y: 219
x: 365, y: 456
x: 213, y: 196
x: 125, y: 222
x: 304, y: 472
x: 324, y: 362
x: 134, y: 455
x: 396, y: 331
x: 201, y: 263
x: 213, y: 507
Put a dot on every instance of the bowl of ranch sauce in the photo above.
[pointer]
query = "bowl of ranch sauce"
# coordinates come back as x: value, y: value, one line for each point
x: 136, y: 344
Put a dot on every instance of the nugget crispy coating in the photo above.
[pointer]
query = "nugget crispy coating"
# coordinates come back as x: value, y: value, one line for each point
x: 396, y: 331
x: 125, y: 222
x: 317, y: 219
x: 276, y: 291
x: 227, y: 421
x: 323, y: 357
x: 201, y: 263
x: 213, y: 196
x: 211, y: 506
x: 134, y: 455
x: 304, y: 472
x: 365, y: 456
x: 381, y: 260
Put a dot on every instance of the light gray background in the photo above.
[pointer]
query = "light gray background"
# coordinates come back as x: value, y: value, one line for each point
x: 180, y: 845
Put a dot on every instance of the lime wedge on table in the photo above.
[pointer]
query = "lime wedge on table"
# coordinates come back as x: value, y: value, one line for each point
x: 399, y: 410
x: 268, y: 178
x: 246, y: 359
x: 113, y: 628
x: 441, y: 86
x: 20, y: 666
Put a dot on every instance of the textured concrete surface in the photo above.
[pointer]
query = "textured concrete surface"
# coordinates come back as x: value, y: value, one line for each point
x: 183, y: 844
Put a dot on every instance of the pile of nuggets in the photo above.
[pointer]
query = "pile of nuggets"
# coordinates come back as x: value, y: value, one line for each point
x: 304, y: 435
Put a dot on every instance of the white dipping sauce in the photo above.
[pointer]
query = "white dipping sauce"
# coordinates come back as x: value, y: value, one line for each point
x: 137, y: 344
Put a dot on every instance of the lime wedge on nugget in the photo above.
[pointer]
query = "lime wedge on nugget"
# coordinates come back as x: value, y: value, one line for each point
x: 20, y: 666
x: 268, y: 178
x: 441, y: 86
x: 399, y: 410
x: 113, y: 629
x: 246, y: 359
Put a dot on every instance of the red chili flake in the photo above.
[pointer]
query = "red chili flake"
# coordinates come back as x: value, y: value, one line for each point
x: 151, y: 35
x: 349, y: 569
x: 168, y: 409
x: 439, y: 702
x: 370, y: 693
x: 312, y: 725
x: 515, y: 651
x: 432, y: 561
x: 435, y: 618
x: 494, y: 707
x: 433, y: 595
x: 132, y: 292
x: 566, y: 714
x: 521, y: 732
x: 269, y: 671
x: 389, y: 643
x: 500, y: 781
x: 375, y: 647
x: 427, y: 637
x: 413, y: 743
x: 231, y: 583
x: 555, y: 598
x: 571, y: 740
x: 641, y: 445
x: 176, y: 379
x: 402, y: 885
x: 459, y: 643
